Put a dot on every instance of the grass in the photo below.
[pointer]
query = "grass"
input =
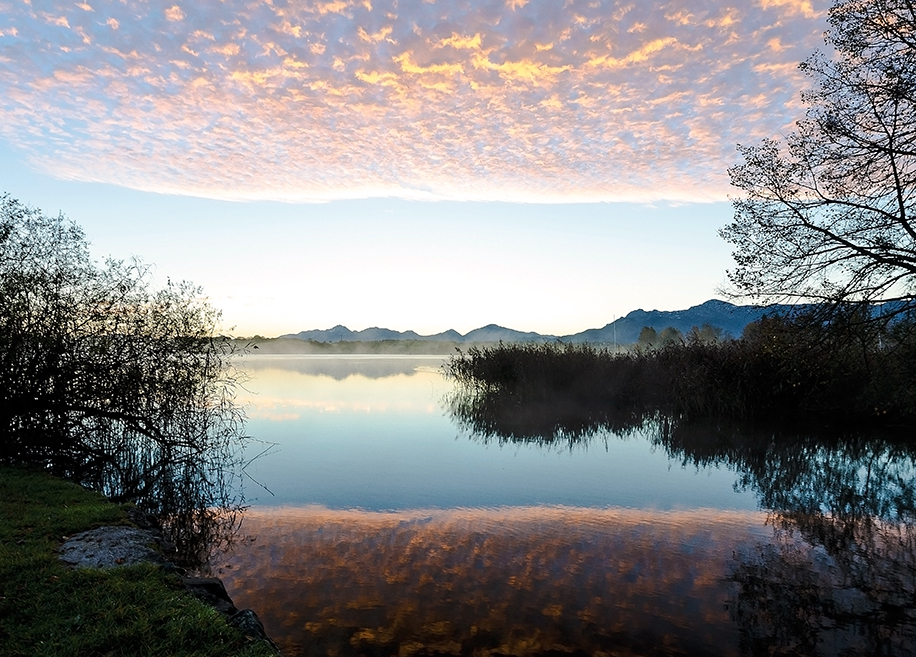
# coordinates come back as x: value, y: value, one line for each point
x: 48, y: 609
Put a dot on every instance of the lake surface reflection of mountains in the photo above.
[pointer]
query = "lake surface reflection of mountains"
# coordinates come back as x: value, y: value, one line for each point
x: 399, y: 527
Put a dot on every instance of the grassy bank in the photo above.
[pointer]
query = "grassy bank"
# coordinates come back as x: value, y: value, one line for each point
x: 47, y: 609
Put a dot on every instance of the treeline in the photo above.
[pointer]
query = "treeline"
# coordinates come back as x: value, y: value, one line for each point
x: 261, y: 346
x: 798, y: 369
x: 258, y: 345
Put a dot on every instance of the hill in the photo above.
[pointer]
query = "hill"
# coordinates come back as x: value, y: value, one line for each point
x: 720, y: 314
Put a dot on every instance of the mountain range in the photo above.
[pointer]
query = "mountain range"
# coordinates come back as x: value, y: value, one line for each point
x: 720, y: 314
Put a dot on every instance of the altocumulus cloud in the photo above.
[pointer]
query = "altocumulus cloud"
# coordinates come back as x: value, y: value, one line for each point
x: 515, y: 100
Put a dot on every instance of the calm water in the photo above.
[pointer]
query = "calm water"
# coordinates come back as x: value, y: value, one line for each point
x: 389, y: 529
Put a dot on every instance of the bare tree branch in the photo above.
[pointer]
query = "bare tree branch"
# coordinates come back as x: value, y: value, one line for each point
x: 827, y: 215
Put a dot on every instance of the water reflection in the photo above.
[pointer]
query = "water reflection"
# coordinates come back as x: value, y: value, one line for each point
x: 848, y: 476
x: 581, y: 532
x: 837, y: 575
x: 840, y: 474
x: 519, y: 581
x: 284, y: 389
x: 828, y: 585
x: 342, y: 367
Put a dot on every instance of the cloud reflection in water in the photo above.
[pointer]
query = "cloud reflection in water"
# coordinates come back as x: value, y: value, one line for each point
x: 509, y: 581
x: 288, y: 386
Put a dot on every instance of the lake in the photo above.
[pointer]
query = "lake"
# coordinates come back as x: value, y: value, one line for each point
x: 381, y: 524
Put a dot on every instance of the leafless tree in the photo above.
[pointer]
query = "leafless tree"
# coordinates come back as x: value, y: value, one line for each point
x: 108, y: 381
x: 828, y: 215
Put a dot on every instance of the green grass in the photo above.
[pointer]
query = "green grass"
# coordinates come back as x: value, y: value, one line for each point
x: 48, y: 609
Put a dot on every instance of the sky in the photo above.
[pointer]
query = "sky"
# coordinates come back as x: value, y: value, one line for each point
x: 546, y: 165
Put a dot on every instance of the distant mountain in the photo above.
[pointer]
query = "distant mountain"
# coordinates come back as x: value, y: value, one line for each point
x: 494, y: 333
x: 720, y: 314
x: 342, y: 333
x: 490, y: 333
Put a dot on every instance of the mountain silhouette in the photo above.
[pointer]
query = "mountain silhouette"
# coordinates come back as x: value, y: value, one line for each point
x: 720, y: 314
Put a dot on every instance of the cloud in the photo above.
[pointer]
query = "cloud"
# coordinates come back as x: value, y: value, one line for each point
x: 484, y: 100
x: 803, y: 7
x: 174, y: 13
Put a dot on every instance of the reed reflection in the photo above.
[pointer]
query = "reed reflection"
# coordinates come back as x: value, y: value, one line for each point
x: 514, y: 581
x: 828, y: 585
x: 847, y: 475
x: 837, y: 575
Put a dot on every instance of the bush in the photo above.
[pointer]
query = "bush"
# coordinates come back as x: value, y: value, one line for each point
x: 799, y: 370
x: 106, y: 381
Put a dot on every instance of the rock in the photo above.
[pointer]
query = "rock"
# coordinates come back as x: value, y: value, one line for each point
x: 211, y: 591
x: 250, y: 625
x: 110, y: 547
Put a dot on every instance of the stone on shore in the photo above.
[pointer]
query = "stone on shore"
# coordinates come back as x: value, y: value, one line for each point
x: 110, y: 547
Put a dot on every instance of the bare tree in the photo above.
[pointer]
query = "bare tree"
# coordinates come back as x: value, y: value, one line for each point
x: 107, y: 381
x: 829, y: 214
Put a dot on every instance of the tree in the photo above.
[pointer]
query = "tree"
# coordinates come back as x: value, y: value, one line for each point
x: 106, y: 381
x: 706, y: 334
x: 670, y: 335
x: 648, y: 337
x: 830, y: 215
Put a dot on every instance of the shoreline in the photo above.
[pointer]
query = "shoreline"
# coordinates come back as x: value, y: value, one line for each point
x: 114, y: 546
x: 81, y: 575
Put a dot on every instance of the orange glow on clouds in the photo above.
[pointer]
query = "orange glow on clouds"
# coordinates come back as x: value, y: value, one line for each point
x: 506, y: 100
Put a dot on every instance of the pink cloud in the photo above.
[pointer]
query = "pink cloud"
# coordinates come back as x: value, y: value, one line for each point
x: 490, y: 100
x: 174, y: 13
